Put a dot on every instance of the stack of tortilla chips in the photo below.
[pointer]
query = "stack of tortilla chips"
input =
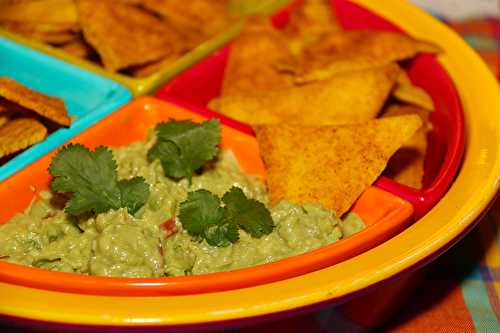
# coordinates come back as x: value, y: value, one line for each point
x: 321, y: 101
x: 136, y: 37
x: 26, y: 117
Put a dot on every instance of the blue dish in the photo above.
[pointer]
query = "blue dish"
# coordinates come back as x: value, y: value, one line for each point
x: 87, y: 96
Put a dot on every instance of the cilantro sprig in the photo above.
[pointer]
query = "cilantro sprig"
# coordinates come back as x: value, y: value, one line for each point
x: 90, y: 177
x: 202, y: 215
x: 183, y: 146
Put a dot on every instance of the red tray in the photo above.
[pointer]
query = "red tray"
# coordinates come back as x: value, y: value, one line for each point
x: 197, y: 86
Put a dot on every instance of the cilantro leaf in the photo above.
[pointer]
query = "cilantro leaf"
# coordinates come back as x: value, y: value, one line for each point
x: 183, y: 146
x: 221, y: 234
x: 92, y: 180
x: 249, y: 214
x: 134, y: 193
x: 200, y: 210
x: 201, y: 215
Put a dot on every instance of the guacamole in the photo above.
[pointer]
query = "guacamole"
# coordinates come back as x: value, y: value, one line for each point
x: 152, y: 242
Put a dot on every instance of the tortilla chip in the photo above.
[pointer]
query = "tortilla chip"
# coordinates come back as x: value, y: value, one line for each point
x: 35, y: 27
x: 312, y: 19
x: 49, y: 107
x: 356, y: 50
x: 47, y: 11
x: 329, y: 165
x: 78, y: 48
x: 203, y: 18
x: 20, y: 133
x: 406, y: 91
x: 252, y: 58
x: 47, y: 33
x: 344, y: 98
x: 125, y: 35
x: 6, y: 111
x: 406, y: 166
x: 3, y: 118
x: 153, y: 67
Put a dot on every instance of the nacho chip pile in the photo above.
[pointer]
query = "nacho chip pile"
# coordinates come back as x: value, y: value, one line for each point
x: 322, y: 102
x: 26, y: 116
x: 136, y: 37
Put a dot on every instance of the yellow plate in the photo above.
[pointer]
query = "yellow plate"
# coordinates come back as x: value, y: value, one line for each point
x: 475, y: 186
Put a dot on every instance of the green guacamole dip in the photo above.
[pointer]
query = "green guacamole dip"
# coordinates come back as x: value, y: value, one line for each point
x: 121, y: 245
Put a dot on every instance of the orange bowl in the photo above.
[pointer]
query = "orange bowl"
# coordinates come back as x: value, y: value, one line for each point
x: 383, y: 213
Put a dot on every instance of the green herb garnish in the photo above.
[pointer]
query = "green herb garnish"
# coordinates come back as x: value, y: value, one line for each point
x: 184, y: 146
x: 202, y: 215
x: 92, y: 180
x: 249, y: 214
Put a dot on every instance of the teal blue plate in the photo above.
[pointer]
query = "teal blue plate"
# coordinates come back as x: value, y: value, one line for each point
x: 87, y: 96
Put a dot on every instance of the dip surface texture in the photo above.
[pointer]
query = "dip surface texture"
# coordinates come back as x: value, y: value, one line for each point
x: 152, y: 243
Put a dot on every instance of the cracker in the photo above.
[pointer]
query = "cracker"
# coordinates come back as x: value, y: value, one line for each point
x: 19, y: 134
x: 49, y: 107
x: 329, y: 165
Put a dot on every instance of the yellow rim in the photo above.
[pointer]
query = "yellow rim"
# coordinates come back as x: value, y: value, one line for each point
x: 476, y: 185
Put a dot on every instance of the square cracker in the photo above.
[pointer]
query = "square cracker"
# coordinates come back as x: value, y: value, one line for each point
x: 19, y: 134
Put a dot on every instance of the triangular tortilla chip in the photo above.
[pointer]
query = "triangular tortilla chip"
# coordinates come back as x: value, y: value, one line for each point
x: 406, y: 91
x: 329, y: 165
x: 406, y: 166
x: 49, y: 107
x: 312, y: 19
x: 20, y: 133
x: 252, y: 58
x: 345, y: 98
x: 125, y: 35
x: 355, y: 50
